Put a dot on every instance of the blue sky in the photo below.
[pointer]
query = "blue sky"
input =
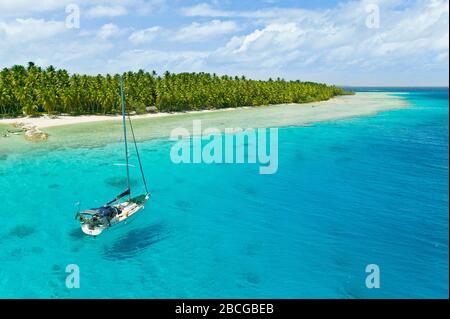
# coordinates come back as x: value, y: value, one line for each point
x: 369, y: 42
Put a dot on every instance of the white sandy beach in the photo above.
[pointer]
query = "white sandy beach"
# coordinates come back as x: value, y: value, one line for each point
x: 338, y: 107
x: 46, y: 121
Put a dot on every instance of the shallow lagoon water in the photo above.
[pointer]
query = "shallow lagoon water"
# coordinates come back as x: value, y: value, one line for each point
x: 347, y: 193
x: 97, y: 134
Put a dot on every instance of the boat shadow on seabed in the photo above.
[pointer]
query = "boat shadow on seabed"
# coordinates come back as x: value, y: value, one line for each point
x: 126, y: 244
x: 135, y: 241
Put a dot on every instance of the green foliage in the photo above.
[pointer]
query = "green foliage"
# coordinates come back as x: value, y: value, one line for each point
x: 32, y: 90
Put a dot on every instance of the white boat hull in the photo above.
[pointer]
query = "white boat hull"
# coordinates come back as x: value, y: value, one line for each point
x: 128, y: 209
x: 92, y: 232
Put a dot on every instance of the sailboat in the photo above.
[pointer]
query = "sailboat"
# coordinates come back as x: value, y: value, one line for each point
x: 94, y: 221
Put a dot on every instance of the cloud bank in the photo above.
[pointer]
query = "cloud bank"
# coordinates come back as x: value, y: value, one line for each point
x: 384, y: 42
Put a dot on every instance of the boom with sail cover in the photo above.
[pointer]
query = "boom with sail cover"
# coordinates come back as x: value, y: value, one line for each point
x: 120, y: 196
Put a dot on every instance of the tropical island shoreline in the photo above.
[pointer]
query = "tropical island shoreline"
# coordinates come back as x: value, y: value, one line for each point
x: 94, y: 131
x: 49, y: 93
x: 45, y: 121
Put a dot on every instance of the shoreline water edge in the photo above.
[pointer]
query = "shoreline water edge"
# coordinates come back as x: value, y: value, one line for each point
x: 97, y: 130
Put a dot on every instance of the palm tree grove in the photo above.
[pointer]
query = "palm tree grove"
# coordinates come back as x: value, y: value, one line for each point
x: 34, y: 91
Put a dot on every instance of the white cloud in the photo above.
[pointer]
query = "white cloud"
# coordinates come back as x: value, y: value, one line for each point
x: 144, y: 36
x: 284, y: 14
x: 92, y: 8
x: 16, y: 7
x: 175, y: 61
x: 339, y: 39
x: 331, y: 45
x: 49, y: 42
x: 108, y: 30
x: 199, y: 32
x: 195, y: 32
x: 144, y: 7
x: 283, y: 37
x: 103, y: 8
x: 25, y: 30
x: 79, y: 56
x: 203, y: 10
x: 101, y: 11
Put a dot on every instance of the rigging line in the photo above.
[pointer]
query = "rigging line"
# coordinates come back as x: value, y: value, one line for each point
x: 125, y: 133
x: 137, y: 153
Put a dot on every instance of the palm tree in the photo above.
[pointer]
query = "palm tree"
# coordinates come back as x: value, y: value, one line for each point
x: 32, y: 90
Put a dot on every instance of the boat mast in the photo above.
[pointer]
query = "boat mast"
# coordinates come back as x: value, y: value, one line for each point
x: 125, y: 135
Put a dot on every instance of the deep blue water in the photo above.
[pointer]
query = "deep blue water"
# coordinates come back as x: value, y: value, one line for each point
x: 348, y: 193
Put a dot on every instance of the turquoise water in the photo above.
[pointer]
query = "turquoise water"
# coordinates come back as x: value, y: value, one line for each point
x: 370, y: 190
